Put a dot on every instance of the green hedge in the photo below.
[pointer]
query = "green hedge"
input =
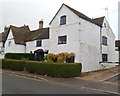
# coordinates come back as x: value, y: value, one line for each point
x: 62, y: 70
x: 19, y: 56
x: 17, y: 65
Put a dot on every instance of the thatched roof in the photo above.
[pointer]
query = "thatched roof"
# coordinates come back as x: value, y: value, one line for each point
x: 38, y: 34
x: 20, y: 34
x: 23, y: 34
x: 3, y: 35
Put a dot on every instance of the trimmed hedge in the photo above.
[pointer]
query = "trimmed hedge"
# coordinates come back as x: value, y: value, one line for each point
x: 61, y: 70
x: 19, y: 56
x: 17, y: 65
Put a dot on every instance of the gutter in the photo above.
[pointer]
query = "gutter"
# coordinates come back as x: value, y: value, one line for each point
x: 100, y: 40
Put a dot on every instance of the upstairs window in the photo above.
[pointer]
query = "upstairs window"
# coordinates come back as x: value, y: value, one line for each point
x: 39, y: 43
x: 63, y: 20
x: 105, y: 25
x: 104, y: 41
x: 104, y: 57
x: 9, y: 43
x: 62, y: 39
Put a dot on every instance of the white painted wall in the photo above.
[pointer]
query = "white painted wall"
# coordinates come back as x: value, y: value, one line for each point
x: 83, y: 39
x: 116, y: 56
x: 71, y: 29
x: 1, y: 50
x: 31, y: 45
x: 90, y: 46
x: 110, y: 48
x: 13, y: 48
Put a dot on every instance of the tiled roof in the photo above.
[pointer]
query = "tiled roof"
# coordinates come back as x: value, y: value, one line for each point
x: 79, y: 14
x: 99, y: 20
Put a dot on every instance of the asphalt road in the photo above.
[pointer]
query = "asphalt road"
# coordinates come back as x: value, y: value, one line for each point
x: 12, y: 84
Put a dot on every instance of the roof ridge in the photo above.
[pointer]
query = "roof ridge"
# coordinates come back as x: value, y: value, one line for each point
x: 19, y: 26
x: 99, y: 17
x: 40, y: 29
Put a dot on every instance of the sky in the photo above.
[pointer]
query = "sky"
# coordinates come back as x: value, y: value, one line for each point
x: 30, y: 12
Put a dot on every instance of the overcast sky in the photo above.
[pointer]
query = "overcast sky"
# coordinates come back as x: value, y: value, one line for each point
x: 29, y: 12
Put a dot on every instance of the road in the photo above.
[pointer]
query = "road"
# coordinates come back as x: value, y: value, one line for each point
x: 12, y: 84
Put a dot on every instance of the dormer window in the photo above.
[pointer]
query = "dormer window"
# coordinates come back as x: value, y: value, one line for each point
x: 63, y: 20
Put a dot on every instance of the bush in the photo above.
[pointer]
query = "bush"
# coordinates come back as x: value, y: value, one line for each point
x: 61, y: 57
x: 19, y: 56
x: 17, y: 65
x: 62, y: 70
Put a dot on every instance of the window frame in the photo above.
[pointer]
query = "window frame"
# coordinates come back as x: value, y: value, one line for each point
x: 104, y: 40
x: 40, y: 44
x: 63, y: 20
x: 104, y: 57
x: 62, y: 41
x: 105, y: 25
x: 9, y: 43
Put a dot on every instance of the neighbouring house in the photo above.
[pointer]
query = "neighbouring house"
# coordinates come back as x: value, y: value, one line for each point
x: 117, y: 48
x: 15, y: 42
x: 22, y: 40
x: 91, y: 40
x: 3, y: 37
x: 107, y: 42
x: 38, y: 42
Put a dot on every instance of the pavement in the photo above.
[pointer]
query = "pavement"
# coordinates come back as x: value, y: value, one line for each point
x: 103, y: 81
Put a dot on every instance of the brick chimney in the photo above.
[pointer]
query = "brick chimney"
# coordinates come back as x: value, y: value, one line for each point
x: 41, y: 24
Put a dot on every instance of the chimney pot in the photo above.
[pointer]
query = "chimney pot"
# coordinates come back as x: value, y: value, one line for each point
x: 6, y: 28
x: 41, y: 24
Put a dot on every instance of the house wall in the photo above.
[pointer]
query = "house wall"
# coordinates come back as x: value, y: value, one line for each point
x: 31, y: 45
x: 1, y: 50
x: 117, y: 56
x: 110, y: 48
x: 90, y: 55
x: 83, y: 39
x: 13, y: 48
x: 71, y: 29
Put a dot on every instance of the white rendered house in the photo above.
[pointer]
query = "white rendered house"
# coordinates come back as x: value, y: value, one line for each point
x: 22, y: 40
x: 91, y: 40
x: 72, y: 31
